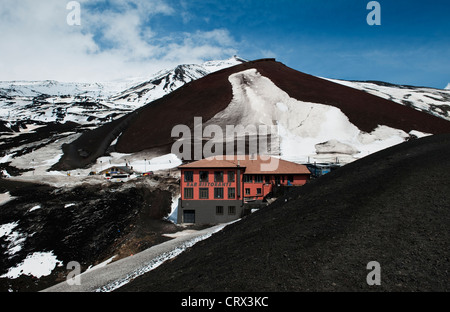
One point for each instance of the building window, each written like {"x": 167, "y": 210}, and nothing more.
{"x": 258, "y": 191}
{"x": 277, "y": 179}
{"x": 204, "y": 193}
{"x": 231, "y": 210}
{"x": 218, "y": 176}
{"x": 204, "y": 176}
{"x": 189, "y": 216}
{"x": 218, "y": 192}
{"x": 219, "y": 210}
{"x": 188, "y": 193}
{"x": 267, "y": 178}
{"x": 231, "y": 176}
{"x": 189, "y": 176}
{"x": 231, "y": 193}
{"x": 247, "y": 191}
{"x": 258, "y": 178}
{"x": 290, "y": 178}
{"x": 247, "y": 178}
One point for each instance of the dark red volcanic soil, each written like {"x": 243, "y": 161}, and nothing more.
{"x": 364, "y": 110}
{"x": 391, "y": 207}
{"x": 207, "y": 96}
{"x": 151, "y": 126}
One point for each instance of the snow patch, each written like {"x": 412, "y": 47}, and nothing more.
{"x": 173, "y": 215}
{"x": 15, "y": 239}
{"x": 100, "y": 265}
{"x": 282, "y": 107}
{"x": 6, "y": 158}
{"x": 138, "y": 162}
{"x": 35, "y": 208}
{"x": 421, "y": 98}
{"x": 334, "y": 146}
{"x": 419, "y": 134}
{"x": 37, "y": 264}
{"x": 5, "y": 197}
{"x": 7, "y": 228}
{"x": 301, "y": 126}
{"x": 41, "y": 159}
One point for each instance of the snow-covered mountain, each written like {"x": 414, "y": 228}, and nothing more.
{"x": 429, "y": 100}
{"x": 167, "y": 81}
{"x": 56, "y": 88}
{"x": 316, "y": 119}
{"x": 93, "y": 103}
{"x": 38, "y": 117}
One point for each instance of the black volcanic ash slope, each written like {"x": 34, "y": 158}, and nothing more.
{"x": 391, "y": 207}
{"x": 86, "y": 223}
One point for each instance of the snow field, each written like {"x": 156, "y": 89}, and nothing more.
{"x": 420, "y": 98}
{"x": 36, "y": 264}
{"x": 301, "y": 126}
{"x": 138, "y": 161}
{"x": 4, "y": 198}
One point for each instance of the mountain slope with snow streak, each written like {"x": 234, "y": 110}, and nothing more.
{"x": 303, "y": 127}
{"x": 36, "y": 114}
{"x": 167, "y": 81}
{"x": 316, "y": 118}
{"x": 94, "y": 103}
{"x": 429, "y": 100}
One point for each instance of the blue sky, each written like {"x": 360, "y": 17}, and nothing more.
{"x": 328, "y": 38}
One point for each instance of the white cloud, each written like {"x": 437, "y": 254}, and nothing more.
{"x": 268, "y": 54}
{"x": 200, "y": 45}
{"x": 111, "y": 43}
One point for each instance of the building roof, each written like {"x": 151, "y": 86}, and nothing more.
{"x": 119, "y": 168}
{"x": 252, "y": 164}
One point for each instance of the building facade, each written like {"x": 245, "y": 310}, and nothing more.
{"x": 217, "y": 189}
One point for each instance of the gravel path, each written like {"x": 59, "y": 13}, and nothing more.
{"x": 119, "y": 273}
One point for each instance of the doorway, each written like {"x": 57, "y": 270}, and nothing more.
{"x": 189, "y": 216}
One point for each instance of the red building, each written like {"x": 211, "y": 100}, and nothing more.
{"x": 216, "y": 189}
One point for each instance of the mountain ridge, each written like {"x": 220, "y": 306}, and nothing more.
{"x": 102, "y": 120}
{"x": 213, "y": 93}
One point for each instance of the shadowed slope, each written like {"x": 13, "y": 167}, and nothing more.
{"x": 391, "y": 207}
